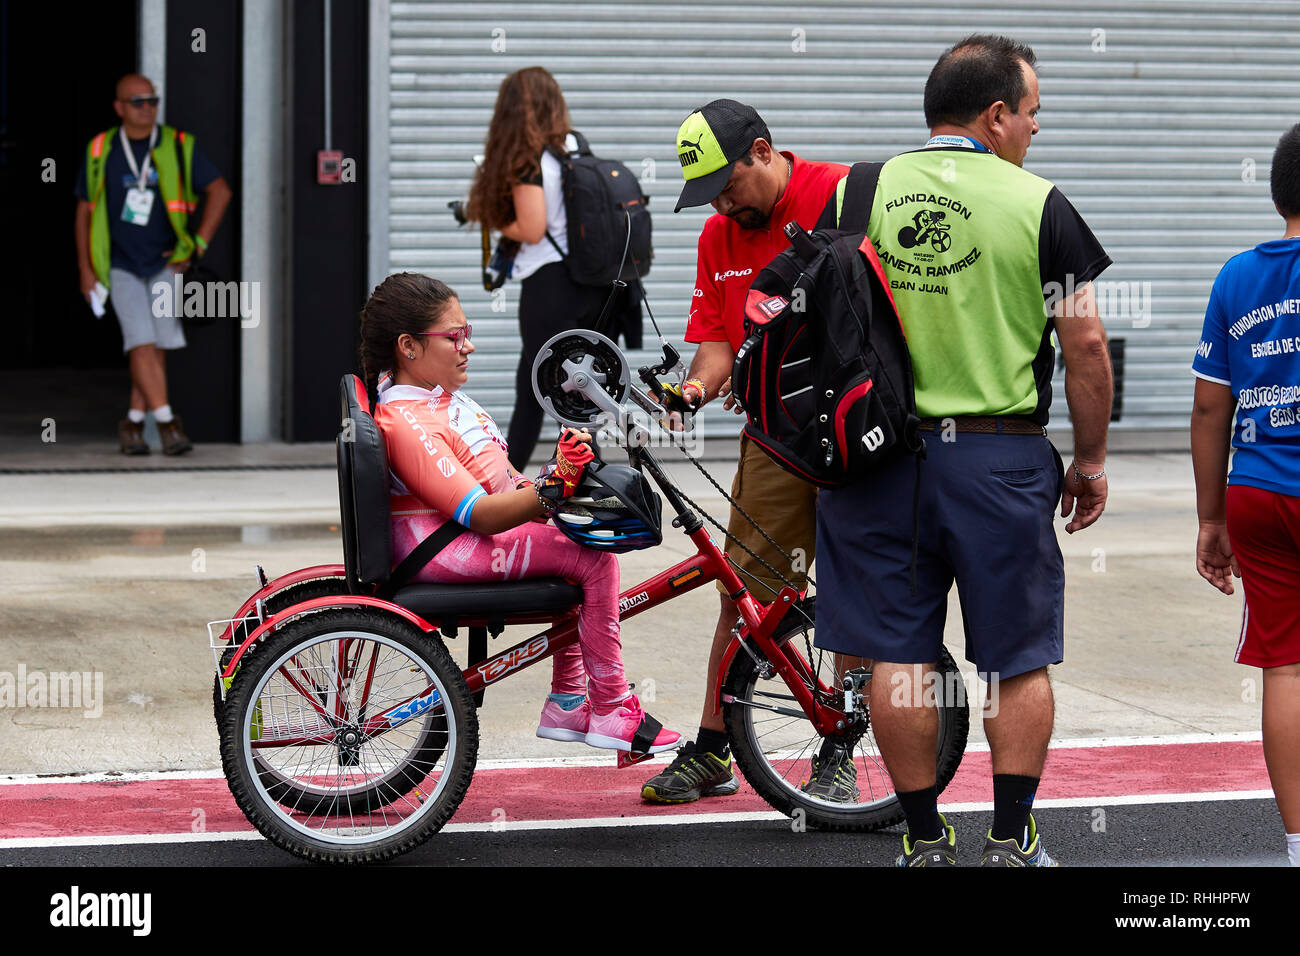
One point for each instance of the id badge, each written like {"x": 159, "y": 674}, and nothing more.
{"x": 136, "y": 209}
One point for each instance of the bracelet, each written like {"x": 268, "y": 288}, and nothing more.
{"x": 704, "y": 392}
{"x": 1080, "y": 475}
{"x": 548, "y": 509}
{"x": 203, "y": 246}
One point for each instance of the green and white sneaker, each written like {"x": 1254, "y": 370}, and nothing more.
{"x": 940, "y": 852}
{"x": 1011, "y": 853}
{"x": 834, "y": 776}
{"x": 690, "y": 776}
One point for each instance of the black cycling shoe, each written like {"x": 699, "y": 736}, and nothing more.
{"x": 834, "y": 776}
{"x": 690, "y": 776}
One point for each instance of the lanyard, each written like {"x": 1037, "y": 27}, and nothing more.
{"x": 965, "y": 142}
{"x": 141, "y": 174}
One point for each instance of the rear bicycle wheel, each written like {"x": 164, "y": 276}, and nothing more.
{"x": 284, "y": 598}
{"x": 775, "y": 743}
{"x": 338, "y": 770}
{"x": 304, "y": 797}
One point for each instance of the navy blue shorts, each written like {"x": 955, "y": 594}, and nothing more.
{"x": 987, "y": 504}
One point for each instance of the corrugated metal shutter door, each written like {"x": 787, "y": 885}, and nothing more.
{"x": 1159, "y": 120}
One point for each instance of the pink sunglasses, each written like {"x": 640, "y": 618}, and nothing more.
{"x": 457, "y": 337}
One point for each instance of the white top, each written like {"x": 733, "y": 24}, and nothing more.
{"x": 466, "y": 417}
{"x": 533, "y": 255}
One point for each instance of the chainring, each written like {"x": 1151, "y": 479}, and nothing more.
{"x": 573, "y": 365}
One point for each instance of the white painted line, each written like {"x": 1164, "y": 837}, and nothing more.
{"x": 757, "y": 816}
{"x": 514, "y": 763}
{"x": 113, "y": 839}
{"x": 530, "y": 763}
{"x": 1161, "y": 740}
{"x": 598, "y": 822}
{"x": 110, "y": 777}
{"x": 14, "y": 843}
{"x": 1120, "y": 801}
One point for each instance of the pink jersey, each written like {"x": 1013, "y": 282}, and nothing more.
{"x": 444, "y": 451}
{"x": 444, "y": 454}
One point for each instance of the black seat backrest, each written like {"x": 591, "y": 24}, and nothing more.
{"x": 363, "y": 491}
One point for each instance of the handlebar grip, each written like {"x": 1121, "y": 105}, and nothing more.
{"x": 674, "y": 400}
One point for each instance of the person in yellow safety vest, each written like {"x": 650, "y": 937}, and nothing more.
{"x": 136, "y": 190}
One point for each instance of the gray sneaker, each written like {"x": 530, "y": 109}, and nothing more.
{"x": 834, "y": 776}
{"x": 1011, "y": 853}
{"x": 940, "y": 852}
{"x": 692, "y": 774}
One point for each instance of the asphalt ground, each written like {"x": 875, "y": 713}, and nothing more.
{"x": 1203, "y": 834}
{"x": 767, "y": 884}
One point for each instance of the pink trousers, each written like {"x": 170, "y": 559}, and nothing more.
{"x": 594, "y": 666}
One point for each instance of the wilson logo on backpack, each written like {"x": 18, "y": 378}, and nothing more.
{"x": 827, "y": 387}
{"x": 769, "y": 307}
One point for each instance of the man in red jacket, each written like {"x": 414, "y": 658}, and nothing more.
{"x": 728, "y": 161}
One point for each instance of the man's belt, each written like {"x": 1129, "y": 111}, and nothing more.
{"x": 988, "y": 425}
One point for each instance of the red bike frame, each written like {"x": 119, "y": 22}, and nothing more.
{"x": 759, "y": 622}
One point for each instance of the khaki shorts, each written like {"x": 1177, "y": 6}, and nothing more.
{"x": 786, "y": 508}
{"x": 133, "y": 304}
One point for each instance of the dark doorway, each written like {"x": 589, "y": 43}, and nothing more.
{"x": 56, "y": 92}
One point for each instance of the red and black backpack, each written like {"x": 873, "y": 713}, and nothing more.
{"x": 824, "y": 374}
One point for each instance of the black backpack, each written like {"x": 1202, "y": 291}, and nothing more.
{"x": 603, "y": 202}
{"x": 824, "y": 374}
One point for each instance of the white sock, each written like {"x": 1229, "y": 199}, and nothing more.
{"x": 135, "y": 415}
{"x": 1293, "y": 848}
{"x": 162, "y": 414}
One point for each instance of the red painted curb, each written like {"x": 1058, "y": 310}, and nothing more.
{"x": 576, "y": 793}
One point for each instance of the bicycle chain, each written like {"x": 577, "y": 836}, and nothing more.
{"x": 709, "y": 518}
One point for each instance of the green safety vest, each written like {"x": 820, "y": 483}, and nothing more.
{"x": 180, "y": 204}
{"x": 957, "y": 233}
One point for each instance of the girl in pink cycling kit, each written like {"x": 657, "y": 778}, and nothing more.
{"x": 448, "y": 462}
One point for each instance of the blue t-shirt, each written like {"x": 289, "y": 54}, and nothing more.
{"x": 1251, "y": 343}
{"x": 139, "y": 249}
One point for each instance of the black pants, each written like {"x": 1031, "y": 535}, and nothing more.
{"x": 549, "y": 302}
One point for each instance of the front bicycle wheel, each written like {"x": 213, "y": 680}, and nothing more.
{"x": 776, "y": 744}
{"x": 349, "y": 736}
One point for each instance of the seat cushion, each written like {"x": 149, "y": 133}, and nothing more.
{"x": 490, "y": 600}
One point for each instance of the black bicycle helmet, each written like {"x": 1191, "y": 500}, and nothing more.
{"x": 614, "y": 509}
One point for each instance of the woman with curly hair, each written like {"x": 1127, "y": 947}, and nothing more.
{"x": 517, "y": 193}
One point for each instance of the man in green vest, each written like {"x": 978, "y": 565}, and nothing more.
{"x": 136, "y": 191}
{"x": 984, "y": 261}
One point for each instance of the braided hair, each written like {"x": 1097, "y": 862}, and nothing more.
{"x": 405, "y": 302}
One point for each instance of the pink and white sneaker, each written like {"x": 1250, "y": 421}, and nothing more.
{"x": 628, "y": 727}
{"x": 560, "y": 724}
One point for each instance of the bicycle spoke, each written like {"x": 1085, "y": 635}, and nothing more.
{"x": 781, "y": 750}
{"x": 335, "y": 790}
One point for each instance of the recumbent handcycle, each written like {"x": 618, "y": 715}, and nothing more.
{"x": 348, "y": 733}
